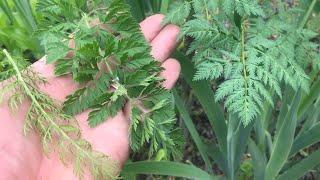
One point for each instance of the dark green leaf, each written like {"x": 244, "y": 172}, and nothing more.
{"x": 101, "y": 114}
{"x": 192, "y": 130}
{"x": 284, "y": 140}
{"x": 258, "y": 159}
{"x": 167, "y": 168}
{"x": 302, "y": 167}
{"x": 306, "y": 139}
{"x": 205, "y": 96}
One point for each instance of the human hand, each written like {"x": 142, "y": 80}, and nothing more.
{"x": 21, "y": 157}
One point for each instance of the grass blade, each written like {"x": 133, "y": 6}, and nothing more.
{"x": 283, "y": 141}
{"x": 233, "y": 125}
{"x": 167, "y": 168}
{"x": 311, "y": 119}
{"x": 241, "y": 143}
{"x": 4, "y": 6}
{"x": 205, "y": 96}
{"x": 237, "y": 140}
{"x": 289, "y": 93}
{"x": 219, "y": 158}
{"x": 155, "y": 5}
{"x": 308, "y": 100}
{"x": 306, "y": 139}
{"x": 258, "y": 159}
{"x": 192, "y": 130}
{"x": 164, "y": 6}
{"x": 299, "y": 169}
{"x": 24, "y": 9}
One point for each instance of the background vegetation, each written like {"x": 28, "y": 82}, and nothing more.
{"x": 282, "y": 144}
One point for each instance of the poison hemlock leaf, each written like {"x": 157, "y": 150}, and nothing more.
{"x": 111, "y": 60}
{"x": 6, "y": 69}
{"x": 243, "y": 7}
{"x": 179, "y": 13}
{"x": 104, "y": 111}
{"x": 252, "y": 57}
{"x": 58, "y": 132}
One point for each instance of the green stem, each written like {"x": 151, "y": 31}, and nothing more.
{"x": 307, "y": 15}
{"x": 207, "y": 11}
{"x": 164, "y": 6}
{"x": 37, "y": 104}
{"x": 109, "y": 68}
{"x": 243, "y": 59}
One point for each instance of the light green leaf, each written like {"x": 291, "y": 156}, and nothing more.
{"x": 101, "y": 114}
{"x": 167, "y": 168}
{"x": 284, "y": 140}
{"x": 258, "y": 159}
{"x": 192, "y": 130}
{"x": 306, "y": 139}
{"x": 205, "y": 96}
{"x": 302, "y": 167}
{"x": 178, "y": 14}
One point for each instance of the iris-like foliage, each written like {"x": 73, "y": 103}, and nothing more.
{"x": 254, "y": 47}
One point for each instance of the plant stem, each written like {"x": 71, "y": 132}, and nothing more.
{"x": 164, "y": 6}
{"x": 31, "y": 96}
{"x": 307, "y": 15}
{"x": 43, "y": 112}
{"x": 207, "y": 11}
{"x": 243, "y": 57}
{"x": 243, "y": 60}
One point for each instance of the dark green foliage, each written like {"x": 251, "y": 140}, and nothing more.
{"x": 87, "y": 97}
{"x": 17, "y": 23}
{"x": 6, "y": 69}
{"x": 111, "y": 61}
{"x": 252, "y": 49}
{"x": 104, "y": 111}
{"x": 243, "y": 7}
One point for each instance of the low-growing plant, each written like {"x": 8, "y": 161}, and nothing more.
{"x": 260, "y": 59}
{"x": 18, "y": 23}
{"x": 117, "y": 45}
{"x": 252, "y": 65}
{"x": 111, "y": 60}
{"x": 253, "y": 46}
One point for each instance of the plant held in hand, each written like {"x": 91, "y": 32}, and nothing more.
{"x": 112, "y": 60}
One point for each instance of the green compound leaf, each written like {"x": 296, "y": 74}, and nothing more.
{"x": 111, "y": 61}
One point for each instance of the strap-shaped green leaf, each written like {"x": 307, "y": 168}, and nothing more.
{"x": 24, "y": 8}
{"x": 258, "y": 159}
{"x": 205, "y": 95}
{"x": 192, "y": 130}
{"x": 302, "y": 167}
{"x": 306, "y": 139}
{"x": 237, "y": 140}
{"x": 167, "y": 168}
{"x": 4, "y": 6}
{"x": 284, "y": 140}
{"x": 308, "y": 100}
{"x": 164, "y": 6}
{"x": 215, "y": 153}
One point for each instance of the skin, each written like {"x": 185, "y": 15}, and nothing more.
{"x": 21, "y": 157}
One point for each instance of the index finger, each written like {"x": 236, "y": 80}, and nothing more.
{"x": 151, "y": 26}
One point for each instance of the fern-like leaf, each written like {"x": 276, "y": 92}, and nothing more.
{"x": 252, "y": 55}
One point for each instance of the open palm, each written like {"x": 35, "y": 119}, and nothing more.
{"x": 21, "y": 156}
